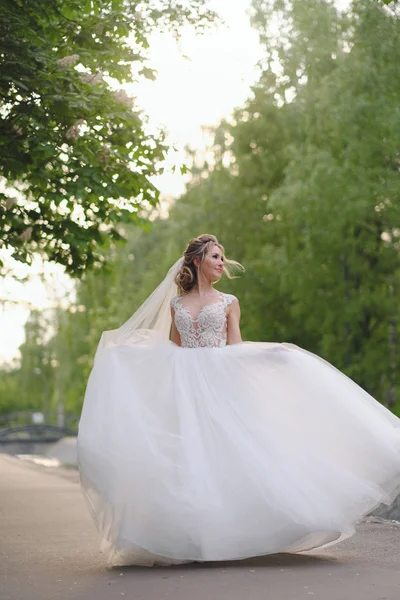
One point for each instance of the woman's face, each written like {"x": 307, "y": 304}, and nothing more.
{"x": 213, "y": 263}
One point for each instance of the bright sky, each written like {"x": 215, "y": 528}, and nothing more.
{"x": 187, "y": 95}
{"x": 190, "y": 94}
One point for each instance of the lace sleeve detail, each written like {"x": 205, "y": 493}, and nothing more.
{"x": 174, "y": 302}
{"x": 228, "y": 299}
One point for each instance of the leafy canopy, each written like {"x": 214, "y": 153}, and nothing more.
{"x": 76, "y": 161}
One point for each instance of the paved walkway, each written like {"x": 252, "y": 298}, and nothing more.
{"x": 49, "y": 551}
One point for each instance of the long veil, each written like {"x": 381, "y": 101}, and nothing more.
{"x": 151, "y": 321}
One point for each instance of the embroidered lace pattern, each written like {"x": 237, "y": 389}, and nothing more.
{"x": 209, "y": 329}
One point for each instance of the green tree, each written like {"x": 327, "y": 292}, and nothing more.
{"x": 303, "y": 189}
{"x": 338, "y": 204}
{"x": 76, "y": 160}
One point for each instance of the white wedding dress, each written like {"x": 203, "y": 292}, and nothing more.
{"x": 211, "y": 452}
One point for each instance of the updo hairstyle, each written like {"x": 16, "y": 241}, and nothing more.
{"x": 198, "y": 248}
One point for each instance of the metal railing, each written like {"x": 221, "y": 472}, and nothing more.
{"x": 34, "y": 433}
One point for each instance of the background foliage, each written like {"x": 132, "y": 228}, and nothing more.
{"x": 76, "y": 161}
{"x": 303, "y": 190}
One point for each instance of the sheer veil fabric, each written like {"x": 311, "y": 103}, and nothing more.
{"x": 222, "y": 453}
{"x": 152, "y": 320}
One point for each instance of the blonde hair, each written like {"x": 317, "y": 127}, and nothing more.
{"x": 199, "y": 247}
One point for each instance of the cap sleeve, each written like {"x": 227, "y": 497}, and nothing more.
{"x": 174, "y": 302}
{"x": 229, "y": 298}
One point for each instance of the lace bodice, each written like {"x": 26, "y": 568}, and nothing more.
{"x": 209, "y": 329}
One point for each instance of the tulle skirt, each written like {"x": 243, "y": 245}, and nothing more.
{"x": 211, "y": 454}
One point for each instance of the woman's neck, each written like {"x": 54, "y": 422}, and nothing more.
{"x": 203, "y": 288}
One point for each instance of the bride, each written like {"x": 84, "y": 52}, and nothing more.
{"x": 196, "y": 446}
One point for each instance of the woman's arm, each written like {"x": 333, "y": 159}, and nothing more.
{"x": 175, "y": 337}
{"x": 234, "y": 336}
